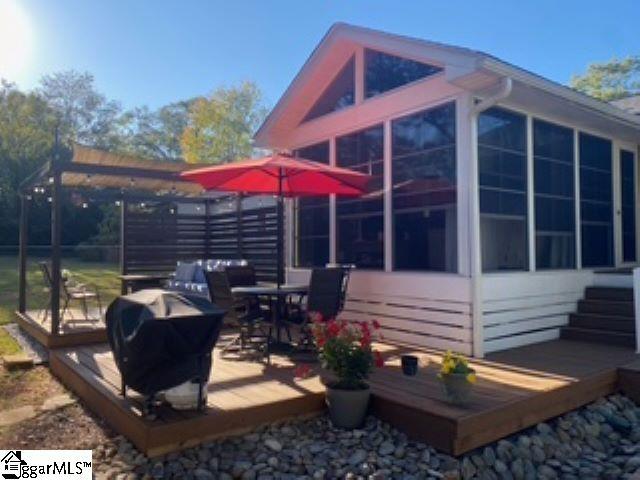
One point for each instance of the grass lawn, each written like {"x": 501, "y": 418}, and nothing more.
{"x": 101, "y": 275}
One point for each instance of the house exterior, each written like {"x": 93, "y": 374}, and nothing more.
{"x": 497, "y": 193}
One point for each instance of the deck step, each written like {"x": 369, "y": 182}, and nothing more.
{"x": 607, "y": 307}
{"x": 609, "y": 293}
{"x": 602, "y": 322}
{"x": 598, "y": 336}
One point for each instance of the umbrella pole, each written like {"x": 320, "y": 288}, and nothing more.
{"x": 280, "y": 233}
{"x": 280, "y": 258}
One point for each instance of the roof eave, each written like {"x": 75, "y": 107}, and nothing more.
{"x": 536, "y": 81}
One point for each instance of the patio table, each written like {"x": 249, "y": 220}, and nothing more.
{"x": 273, "y": 292}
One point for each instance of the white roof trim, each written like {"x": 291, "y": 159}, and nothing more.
{"x": 458, "y": 60}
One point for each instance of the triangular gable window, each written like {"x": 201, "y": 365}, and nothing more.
{"x": 384, "y": 72}
{"x": 340, "y": 94}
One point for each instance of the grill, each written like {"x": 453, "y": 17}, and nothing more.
{"x": 162, "y": 339}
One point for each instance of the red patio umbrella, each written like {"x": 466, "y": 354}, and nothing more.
{"x": 281, "y": 175}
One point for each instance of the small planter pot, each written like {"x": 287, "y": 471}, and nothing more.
{"x": 457, "y": 388}
{"x": 409, "y": 365}
{"x": 347, "y": 408}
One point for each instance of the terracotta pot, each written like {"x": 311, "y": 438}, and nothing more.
{"x": 457, "y": 388}
{"x": 347, "y": 408}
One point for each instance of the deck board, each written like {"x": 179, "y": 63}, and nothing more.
{"x": 516, "y": 389}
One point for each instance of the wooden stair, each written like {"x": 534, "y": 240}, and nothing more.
{"x": 605, "y": 315}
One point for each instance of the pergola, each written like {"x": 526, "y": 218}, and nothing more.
{"x": 128, "y": 180}
{"x": 110, "y": 176}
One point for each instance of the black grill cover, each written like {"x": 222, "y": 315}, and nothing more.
{"x": 161, "y": 339}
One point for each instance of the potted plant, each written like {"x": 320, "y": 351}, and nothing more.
{"x": 346, "y": 354}
{"x": 457, "y": 377}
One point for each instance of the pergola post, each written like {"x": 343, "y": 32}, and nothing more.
{"x": 124, "y": 209}
{"x": 22, "y": 262}
{"x": 56, "y": 221}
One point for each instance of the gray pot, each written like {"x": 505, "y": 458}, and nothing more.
{"x": 347, "y": 408}
{"x": 457, "y": 388}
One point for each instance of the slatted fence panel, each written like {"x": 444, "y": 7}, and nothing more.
{"x": 157, "y": 237}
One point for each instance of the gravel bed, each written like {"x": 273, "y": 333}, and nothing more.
{"x": 600, "y": 441}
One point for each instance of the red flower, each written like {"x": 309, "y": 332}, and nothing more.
{"x": 379, "y": 361}
{"x": 333, "y": 328}
{"x": 376, "y": 324}
{"x": 302, "y": 371}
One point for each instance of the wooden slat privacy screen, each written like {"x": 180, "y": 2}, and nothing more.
{"x": 158, "y": 235}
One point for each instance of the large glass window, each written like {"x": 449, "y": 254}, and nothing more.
{"x": 424, "y": 190}
{"x": 338, "y": 95}
{"x": 360, "y": 222}
{"x": 502, "y": 171}
{"x": 384, "y": 72}
{"x": 553, "y": 152}
{"x": 312, "y": 218}
{"x": 596, "y": 199}
{"x": 628, "y": 194}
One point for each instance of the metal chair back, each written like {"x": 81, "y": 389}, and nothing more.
{"x": 325, "y": 292}
{"x": 220, "y": 291}
{"x": 241, "y": 276}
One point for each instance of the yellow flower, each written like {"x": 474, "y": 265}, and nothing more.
{"x": 471, "y": 378}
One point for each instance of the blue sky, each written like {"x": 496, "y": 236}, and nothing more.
{"x": 155, "y": 52}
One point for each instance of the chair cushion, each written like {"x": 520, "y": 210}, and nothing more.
{"x": 185, "y": 271}
{"x": 198, "y": 275}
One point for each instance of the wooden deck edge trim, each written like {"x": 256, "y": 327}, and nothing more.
{"x": 50, "y": 341}
{"x": 187, "y": 433}
{"x": 490, "y": 426}
{"x": 35, "y": 330}
{"x": 96, "y": 398}
{"x": 629, "y": 383}
{"x": 436, "y": 430}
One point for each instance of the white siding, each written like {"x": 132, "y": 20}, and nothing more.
{"x": 421, "y": 309}
{"x": 523, "y": 308}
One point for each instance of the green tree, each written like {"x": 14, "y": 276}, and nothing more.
{"x": 221, "y": 126}
{"x": 26, "y": 141}
{"x": 84, "y": 114}
{"x": 155, "y": 134}
{"x": 607, "y": 81}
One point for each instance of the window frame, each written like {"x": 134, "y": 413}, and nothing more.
{"x": 575, "y": 166}
{"x": 440, "y": 72}
{"x": 528, "y": 189}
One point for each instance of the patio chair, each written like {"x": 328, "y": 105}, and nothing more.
{"x": 243, "y": 312}
{"x": 241, "y": 275}
{"x": 70, "y": 293}
{"x": 325, "y": 297}
{"x": 346, "y": 268}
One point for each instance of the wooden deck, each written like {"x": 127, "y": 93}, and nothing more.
{"x": 74, "y": 328}
{"x": 516, "y": 389}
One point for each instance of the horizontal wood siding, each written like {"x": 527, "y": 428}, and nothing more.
{"x": 523, "y": 308}
{"x": 425, "y": 310}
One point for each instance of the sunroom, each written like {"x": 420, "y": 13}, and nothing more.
{"x": 497, "y": 193}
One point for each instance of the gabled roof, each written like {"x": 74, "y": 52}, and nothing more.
{"x": 469, "y": 69}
